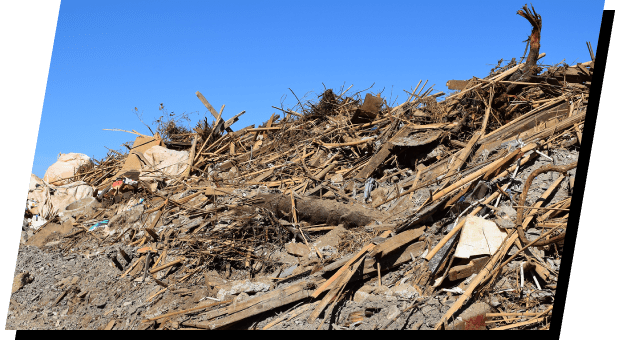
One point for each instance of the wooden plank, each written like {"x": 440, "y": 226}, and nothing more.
{"x": 232, "y": 120}
{"x": 368, "y": 247}
{"x": 334, "y": 292}
{"x": 184, "y": 311}
{"x": 208, "y": 106}
{"x": 334, "y": 277}
{"x": 487, "y": 112}
{"x": 396, "y": 242}
{"x": 527, "y": 121}
{"x": 520, "y": 324}
{"x": 464, "y": 271}
{"x": 141, "y": 259}
{"x": 378, "y": 159}
{"x": 290, "y": 315}
{"x": 457, "y": 84}
{"x": 255, "y": 301}
{"x": 261, "y": 177}
{"x": 263, "y": 129}
{"x": 165, "y": 266}
{"x": 346, "y": 144}
{"x": 484, "y": 172}
{"x": 265, "y": 305}
{"x": 461, "y": 157}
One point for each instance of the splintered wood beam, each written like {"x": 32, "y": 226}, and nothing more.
{"x": 232, "y": 120}
{"x": 217, "y": 116}
{"x": 378, "y": 159}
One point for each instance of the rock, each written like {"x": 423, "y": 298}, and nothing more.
{"x": 405, "y": 290}
{"x": 242, "y": 297}
{"x": 337, "y": 179}
{"x": 287, "y": 272}
{"x": 360, "y": 296}
{"x": 327, "y": 251}
{"x": 379, "y": 195}
{"x": 245, "y": 286}
{"x": 100, "y": 301}
{"x": 329, "y": 241}
{"x": 297, "y": 249}
{"x": 393, "y": 312}
{"x": 21, "y": 280}
{"x": 504, "y": 223}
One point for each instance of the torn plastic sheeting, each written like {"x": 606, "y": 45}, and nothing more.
{"x": 58, "y": 198}
{"x": 479, "y": 237}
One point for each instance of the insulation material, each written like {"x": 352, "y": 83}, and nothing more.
{"x": 479, "y": 237}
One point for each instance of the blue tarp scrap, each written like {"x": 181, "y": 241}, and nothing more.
{"x": 99, "y": 224}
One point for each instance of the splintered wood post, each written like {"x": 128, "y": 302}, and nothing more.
{"x": 213, "y": 112}
{"x": 524, "y": 74}
{"x": 264, "y": 134}
{"x": 232, "y": 120}
{"x": 293, "y": 209}
{"x": 488, "y": 112}
{"x": 187, "y": 172}
{"x": 217, "y": 116}
{"x": 415, "y": 182}
{"x": 461, "y": 157}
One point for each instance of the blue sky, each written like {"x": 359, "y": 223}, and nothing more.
{"x": 110, "y": 56}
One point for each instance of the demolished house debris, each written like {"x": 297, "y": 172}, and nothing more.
{"x": 341, "y": 213}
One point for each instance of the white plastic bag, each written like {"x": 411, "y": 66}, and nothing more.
{"x": 66, "y": 166}
{"x": 166, "y": 163}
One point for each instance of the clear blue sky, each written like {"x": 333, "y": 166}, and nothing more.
{"x": 112, "y": 56}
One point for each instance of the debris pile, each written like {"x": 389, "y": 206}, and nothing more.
{"x": 338, "y": 213}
